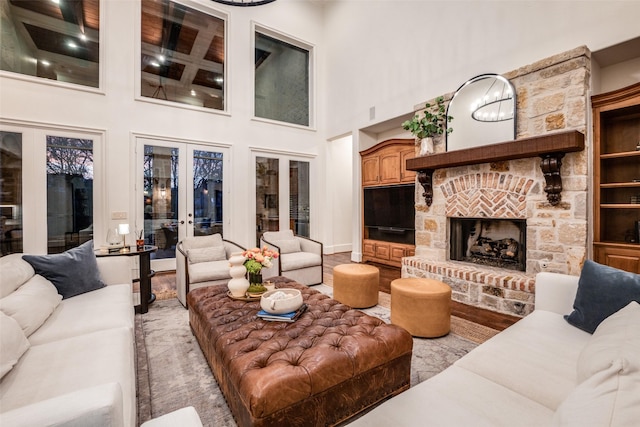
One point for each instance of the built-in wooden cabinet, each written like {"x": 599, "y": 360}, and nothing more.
{"x": 616, "y": 135}
{"x": 384, "y": 165}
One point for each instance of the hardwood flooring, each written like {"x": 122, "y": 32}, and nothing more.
{"x": 164, "y": 286}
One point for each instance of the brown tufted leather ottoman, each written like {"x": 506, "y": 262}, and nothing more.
{"x": 356, "y": 284}
{"x": 330, "y": 364}
{"x": 421, "y": 306}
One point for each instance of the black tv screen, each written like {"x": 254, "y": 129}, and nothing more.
{"x": 392, "y": 207}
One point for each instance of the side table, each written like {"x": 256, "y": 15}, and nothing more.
{"x": 144, "y": 254}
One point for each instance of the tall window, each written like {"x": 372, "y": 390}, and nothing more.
{"x": 282, "y": 80}
{"x": 182, "y": 55}
{"x": 57, "y": 40}
{"x": 10, "y": 192}
{"x": 69, "y": 192}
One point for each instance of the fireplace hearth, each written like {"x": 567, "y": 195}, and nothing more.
{"x": 490, "y": 242}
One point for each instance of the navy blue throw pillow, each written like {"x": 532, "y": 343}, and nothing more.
{"x": 73, "y": 272}
{"x": 602, "y": 291}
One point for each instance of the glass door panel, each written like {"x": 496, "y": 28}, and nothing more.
{"x": 267, "y": 196}
{"x": 161, "y": 195}
{"x": 10, "y": 193}
{"x": 207, "y": 192}
{"x": 299, "y": 197}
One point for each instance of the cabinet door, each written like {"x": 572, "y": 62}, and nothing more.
{"x": 397, "y": 253}
{"x": 621, "y": 258}
{"x": 405, "y": 175}
{"x": 368, "y": 248}
{"x": 382, "y": 250}
{"x": 370, "y": 170}
{"x": 390, "y": 168}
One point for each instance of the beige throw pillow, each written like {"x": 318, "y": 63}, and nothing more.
{"x": 288, "y": 246}
{"x": 13, "y": 343}
{"x": 214, "y": 253}
{"x": 32, "y": 303}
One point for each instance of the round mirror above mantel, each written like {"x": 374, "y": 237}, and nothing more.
{"x": 484, "y": 108}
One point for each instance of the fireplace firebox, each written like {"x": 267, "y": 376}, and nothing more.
{"x": 493, "y": 242}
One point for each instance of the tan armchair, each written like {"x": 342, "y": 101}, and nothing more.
{"x": 202, "y": 261}
{"x": 300, "y": 258}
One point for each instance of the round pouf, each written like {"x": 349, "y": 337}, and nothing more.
{"x": 421, "y": 306}
{"x": 356, "y": 285}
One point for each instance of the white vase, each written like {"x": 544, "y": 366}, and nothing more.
{"x": 238, "y": 284}
{"x": 426, "y": 146}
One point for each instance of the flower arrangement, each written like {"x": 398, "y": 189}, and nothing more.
{"x": 257, "y": 258}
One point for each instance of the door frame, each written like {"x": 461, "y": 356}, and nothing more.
{"x": 185, "y": 201}
{"x": 283, "y": 186}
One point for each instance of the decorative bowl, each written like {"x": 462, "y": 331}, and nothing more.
{"x": 280, "y": 301}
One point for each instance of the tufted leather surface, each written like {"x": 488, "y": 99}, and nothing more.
{"x": 330, "y": 364}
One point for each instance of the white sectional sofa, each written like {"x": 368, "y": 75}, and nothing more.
{"x": 66, "y": 361}
{"x": 542, "y": 371}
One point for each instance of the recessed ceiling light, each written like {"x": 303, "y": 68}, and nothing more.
{"x": 161, "y": 58}
{"x": 219, "y": 79}
{"x": 45, "y": 62}
{"x": 193, "y": 92}
{"x": 72, "y": 45}
{"x": 83, "y": 37}
{"x": 155, "y": 64}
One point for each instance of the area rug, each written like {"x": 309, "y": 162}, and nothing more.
{"x": 173, "y": 373}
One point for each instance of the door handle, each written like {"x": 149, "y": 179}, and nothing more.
{"x": 190, "y": 222}
{"x": 182, "y": 222}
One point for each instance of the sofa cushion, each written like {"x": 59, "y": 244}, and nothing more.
{"x": 610, "y": 397}
{"x": 32, "y": 303}
{"x": 207, "y": 271}
{"x": 602, "y": 290}
{"x": 541, "y": 342}
{"x": 298, "y": 260}
{"x": 15, "y": 272}
{"x": 454, "y": 398}
{"x": 65, "y": 366}
{"x": 616, "y": 338}
{"x": 212, "y": 253}
{"x": 73, "y": 272}
{"x": 106, "y": 308}
{"x": 13, "y": 343}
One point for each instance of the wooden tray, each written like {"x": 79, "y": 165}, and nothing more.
{"x": 244, "y": 298}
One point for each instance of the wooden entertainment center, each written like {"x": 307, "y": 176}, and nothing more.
{"x": 384, "y": 166}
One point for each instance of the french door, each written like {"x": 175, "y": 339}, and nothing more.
{"x": 282, "y": 194}
{"x": 180, "y": 193}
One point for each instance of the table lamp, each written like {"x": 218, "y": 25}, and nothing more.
{"x": 123, "y": 230}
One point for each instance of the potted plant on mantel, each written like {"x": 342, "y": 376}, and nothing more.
{"x": 432, "y": 123}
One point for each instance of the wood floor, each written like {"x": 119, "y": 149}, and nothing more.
{"x": 164, "y": 286}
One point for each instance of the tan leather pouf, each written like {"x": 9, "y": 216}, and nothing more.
{"x": 356, "y": 285}
{"x": 421, "y": 306}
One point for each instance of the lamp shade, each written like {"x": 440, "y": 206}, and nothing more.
{"x": 123, "y": 229}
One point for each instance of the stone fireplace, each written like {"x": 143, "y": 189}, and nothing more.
{"x": 490, "y": 227}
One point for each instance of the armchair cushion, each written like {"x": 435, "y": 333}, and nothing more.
{"x": 213, "y": 253}
{"x": 298, "y": 260}
{"x": 287, "y": 246}
{"x": 15, "y": 272}
{"x": 204, "y": 272}
{"x": 198, "y": 242}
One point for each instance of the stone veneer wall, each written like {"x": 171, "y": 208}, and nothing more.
{"x": 552, "y": 95}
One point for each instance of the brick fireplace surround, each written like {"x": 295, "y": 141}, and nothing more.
{"x": 552, "y": 96}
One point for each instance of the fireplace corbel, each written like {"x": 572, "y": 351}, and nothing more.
{"x": 551, "y": 148}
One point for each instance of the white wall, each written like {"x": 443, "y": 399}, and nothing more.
{"x": 121, "y": 116}
{"x": 393, "y": 55}
{"x": 340, "y": 181}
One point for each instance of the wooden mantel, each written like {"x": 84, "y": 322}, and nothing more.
{"x": 551, "y": 148}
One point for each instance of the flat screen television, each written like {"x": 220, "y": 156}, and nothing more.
{"x": 390, "y": 207}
